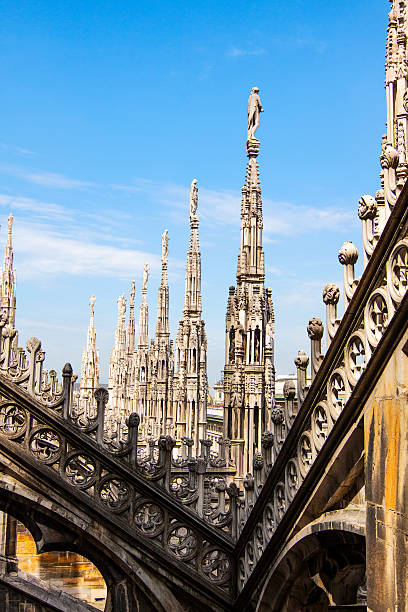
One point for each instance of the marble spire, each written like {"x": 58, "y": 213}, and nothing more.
{"x": 162, "y": 327}
{"x": 191, "y": 385}
{"x": 249, "y": 373}
{"x": 192, "y": 295}
{"x": 143, "y": 341}
{"x": 131, "y": 324}
{"x": 89, "y": 364}
{"x": 8, "y": 279}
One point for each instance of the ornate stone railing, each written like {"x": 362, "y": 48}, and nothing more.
{"x": 371, "y": 304}
{"x": 123, "y": 491}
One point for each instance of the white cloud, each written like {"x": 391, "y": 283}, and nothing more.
{"x": 19, "y": 150}
{"x": 241, "y": 52}
{"x": 43, "y": 251}
{"x": 47, "y": 179}
{"x": 51, "y": 179}
{"x": 294, "y": 220}
{"x": 42, "y": 209}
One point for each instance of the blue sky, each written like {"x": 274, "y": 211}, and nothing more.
{"x": 110, "y": 109}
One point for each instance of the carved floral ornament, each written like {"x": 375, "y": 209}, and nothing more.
{"x": 13, "y": 420}
{"x": 45, "y": 444}
{"x": 397, "y": 271}
{"x": 149, "y": 518}
{"x": 377, "y": 315}
{"x": 355, "y": 357}
{"x": 80, "y": 470}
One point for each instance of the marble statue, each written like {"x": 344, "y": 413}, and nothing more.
{"x": 193, "y": 198}
{"x": 145, "y": 277}
{"x": 254, "y": 108}
{"x": 121, "y": 305}
{"x": 92, "y": 304}
{"x": 165, "y": 245}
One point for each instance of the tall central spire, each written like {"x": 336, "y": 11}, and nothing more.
{"x": 249, "y": 370}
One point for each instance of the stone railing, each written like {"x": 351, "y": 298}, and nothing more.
{"x": 123, "y": 490}
{"x": 370, "y": 305}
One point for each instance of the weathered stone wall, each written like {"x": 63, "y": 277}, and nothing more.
{"x": 386, "y": 437}
{"x": 67, "y": 571}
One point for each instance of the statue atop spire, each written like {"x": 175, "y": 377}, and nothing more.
{"x": 254, "y": 108}
{"x": 193, "y": 198}
{"x": 145, "y": 277}
{"x": 121, "y": 309}
{"x": 10, "y": 224}
{"x": 165, "y": 246}
{"x": 91, "y": 305}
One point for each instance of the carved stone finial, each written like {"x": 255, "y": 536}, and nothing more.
{"x": 367, "y": 207}
{"x": 233, "y": 490}
{"x": 133, "y": 420}
{"x": 166, "y": 443}
{"x": 277, "y": 416}
{"x": 258, "y": 461}
{"x": 267, "y": 439}
{"x": 315, "y": 329}
{"x": 221, "y": 486}
{"x": 33, "y": 344}
{"x": 389, "y": 157}
{"x": 331, "y": 294}
{"x": 10, "y": 223}
{"x": 348, "y": 254}
{"x": 67, "y": 369}
{"x": 102, "y": 395}
{"x": 301, "y": 360}
{"x": 289, "y": 390}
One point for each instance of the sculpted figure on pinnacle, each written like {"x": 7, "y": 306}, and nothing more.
{"x": 254, "y": 108}
{"x": 145, "y": 277}
{"x": 193, "y": 198}
{"x": 92, "y": 304}
{"x": 165, "y": 245}
{"x": 121, "y": 305}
